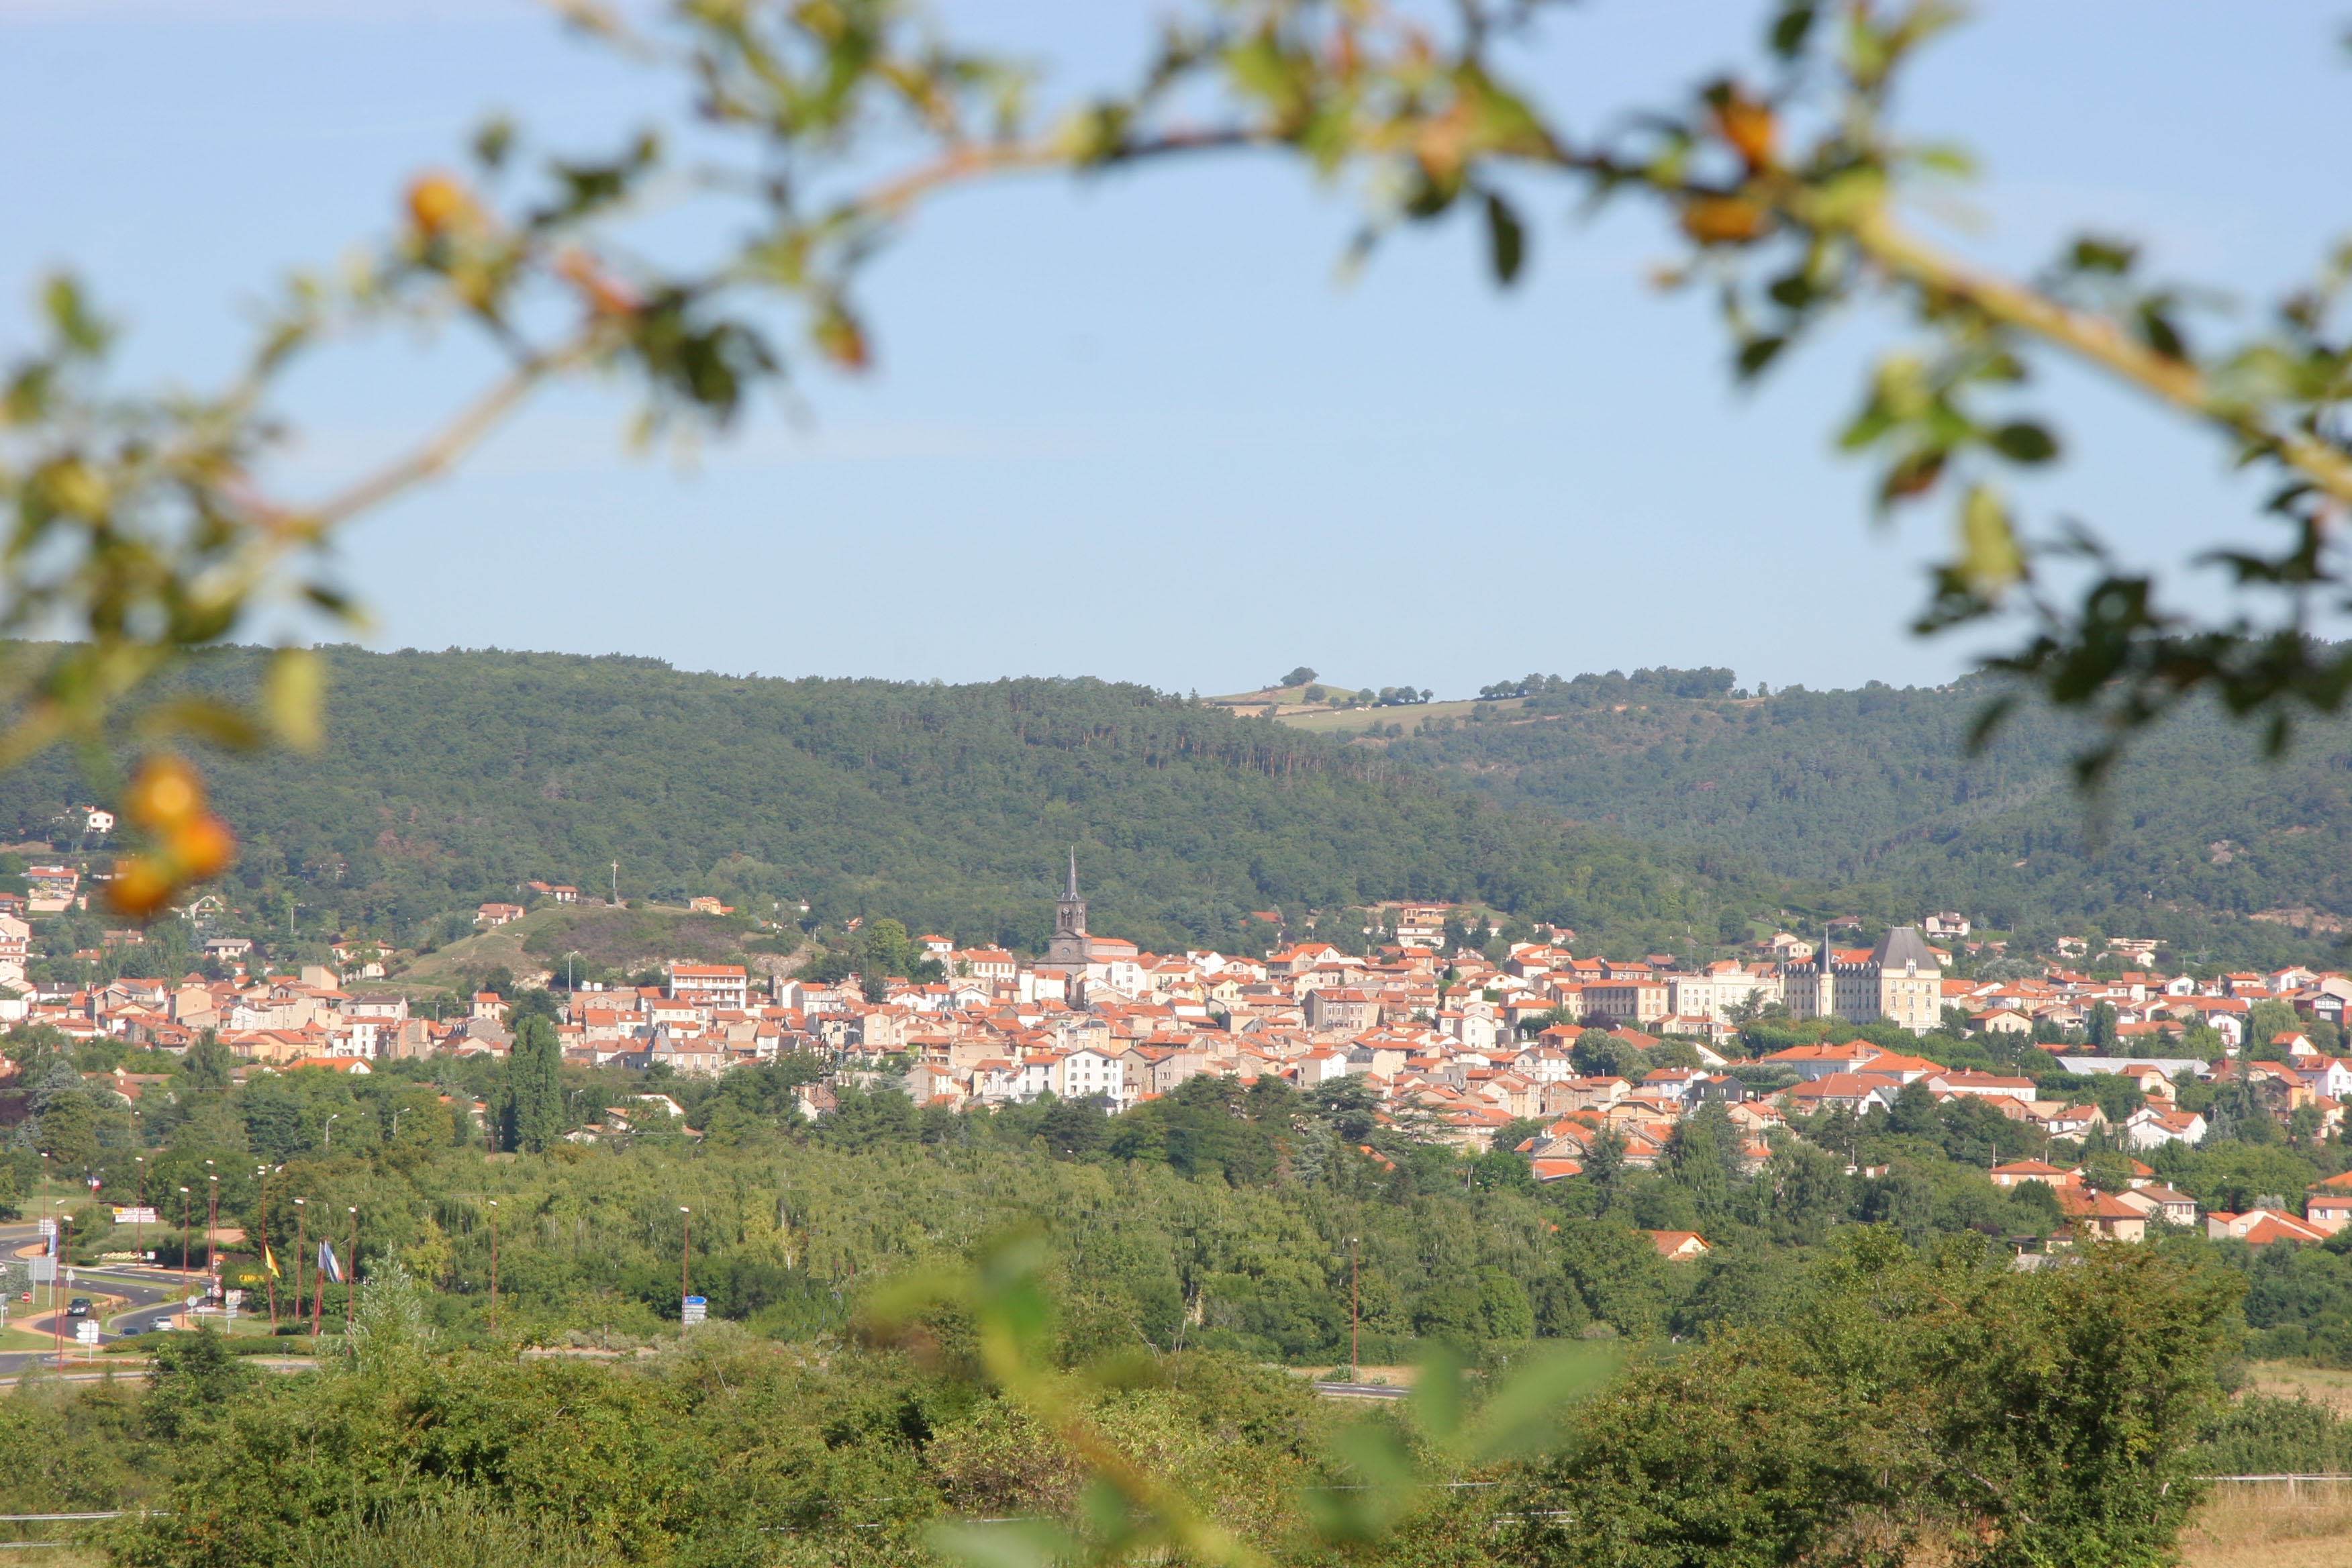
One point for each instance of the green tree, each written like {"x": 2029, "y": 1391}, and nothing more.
{"x": 2267, "y": 1020}
{"x": 2013, "y": 1418}
{"x": 531, "y": 1113}
{"x": 209, "y": 1063}
{"x": 1698, "y": 1161}
{"x": 1599, "y": 1054}
{"x": 1810, "y": 1191}
{"x": 863, "y": 1120}
{"x": 1504, "y": 1313}
{"x": 68, "y": 1134}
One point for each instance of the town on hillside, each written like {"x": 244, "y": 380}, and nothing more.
{"x": 1569, "y": 1062}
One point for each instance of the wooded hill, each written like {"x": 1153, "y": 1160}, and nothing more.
{"x": 1642, "y": 818}
{"x": 1866, "y": 801}
{"x": 452, "y": 777}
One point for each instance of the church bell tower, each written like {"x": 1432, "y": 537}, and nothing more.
{"x": 1069, "y": 948}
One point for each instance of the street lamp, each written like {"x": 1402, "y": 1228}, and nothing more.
{"x": 685, "y": 1255}
{"x": 494, "y": 1263}
{"x": 139, "y": 1221}
{"x": 331, "y": 1133}
{"x": 185, "y": 1231}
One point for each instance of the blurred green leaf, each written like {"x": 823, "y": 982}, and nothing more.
{"x": 1527, "y": 1410}
{"x": 2024, "y": 442}
{"x": 1016, "y": 1543}
{"x": 1377, "y": 1483}
{"x": 1437, "y": 1392}
{"x": 1507, "y": 241}
{"x": 1792, "y": 28}
{"x": 213, "y": 721}
{"x": 1991, "y": 558}
{"x": 1758, "y": 353}
{"x": 70, "y": 313}
{"x": 293, "y": 693}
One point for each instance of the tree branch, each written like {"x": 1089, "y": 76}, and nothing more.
{"x": 461, "y": 434}
{"x": 2092, "y": 338}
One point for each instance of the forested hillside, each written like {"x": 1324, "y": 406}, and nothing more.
{"x": 1663, "y": 811}
{"x": 448, "y": 778}
{"x": 1844, "y": 789}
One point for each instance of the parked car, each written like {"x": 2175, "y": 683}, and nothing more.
{"x": 77, "y": 1308}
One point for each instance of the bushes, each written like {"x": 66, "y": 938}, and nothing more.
{"x": 2263, "y": 1434}
{"x": 2035, "y": 1418}
{"x": 709, "y": 1453}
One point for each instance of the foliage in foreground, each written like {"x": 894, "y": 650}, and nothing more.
{"x": 1907, "y": 1406}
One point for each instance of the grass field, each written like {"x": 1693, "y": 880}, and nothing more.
{"x": 2321, "y": 1385}
{"x": 1357, "y": 720}
{"x": 640, "y": 936}
{"x": 2263, "y": 1526}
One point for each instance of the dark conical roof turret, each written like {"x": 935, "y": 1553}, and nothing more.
{"x": 1071, "y": 891}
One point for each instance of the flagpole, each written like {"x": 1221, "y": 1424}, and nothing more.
{"x": 351, "y": 1278}
{"x": 319, "y": 1301}
{"x": 300, "y": 1215}
{"x": 269, "y": 1263}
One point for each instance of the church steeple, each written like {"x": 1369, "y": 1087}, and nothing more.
{"x": 1069, "y": 947}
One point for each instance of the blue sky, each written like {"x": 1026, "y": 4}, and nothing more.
{"x": 1135, "y": 428}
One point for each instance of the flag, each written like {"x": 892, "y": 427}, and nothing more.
{"x": 269, "y": 1262}
{"x": 328, "y": 1266}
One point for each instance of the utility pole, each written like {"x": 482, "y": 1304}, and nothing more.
{"x": 186, "y": 1233}
{"x": 685, "y": 1255}
{"x": 617, "y": 883}
{"x": 212, "y": 1226}
{"x": 494, "y": 1264}
{"x": 139, "y": 1224}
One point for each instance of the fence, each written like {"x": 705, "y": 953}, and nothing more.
{"x": 53, "y": 1519}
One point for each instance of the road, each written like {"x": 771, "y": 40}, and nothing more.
{"x": 143, "y": 1291}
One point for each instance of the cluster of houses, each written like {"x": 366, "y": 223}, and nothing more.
{"x": 2124, "y": 1214}
{"x": 1453, "y": 1049}
{"x": 1636, "y": 1123}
